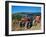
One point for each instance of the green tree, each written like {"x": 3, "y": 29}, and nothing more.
{"x": 18, "y": 17}
{"x": 13, "y": 16}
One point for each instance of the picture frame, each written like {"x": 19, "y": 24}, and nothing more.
{"x": 15, "y": 4}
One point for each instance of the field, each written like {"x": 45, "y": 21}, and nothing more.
{"x": 17, "y": 28}
{"x": 17, "y": 18}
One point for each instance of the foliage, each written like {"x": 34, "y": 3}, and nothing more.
{"x": 13, "y": 16}
{"x": 16, "y": 16}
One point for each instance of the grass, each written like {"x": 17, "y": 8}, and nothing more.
{"x": 35, "y": 27}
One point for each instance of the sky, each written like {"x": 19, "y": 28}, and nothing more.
{"x": 32, "y": 9}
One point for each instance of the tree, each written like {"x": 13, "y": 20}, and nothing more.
{"x": 18, "y": 17}
{"x": 13, "y": 16}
